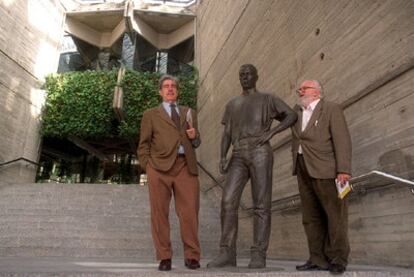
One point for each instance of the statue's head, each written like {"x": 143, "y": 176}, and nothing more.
{"x": 248, "y": 76}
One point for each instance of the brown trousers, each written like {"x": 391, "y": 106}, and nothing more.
{"x": 324, "y": 217}
{"x": 185, "y": 187}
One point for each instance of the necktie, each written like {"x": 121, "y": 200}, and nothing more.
{"x": 174, "y": 116}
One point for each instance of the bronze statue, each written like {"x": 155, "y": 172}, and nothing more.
{"x": 247, "y": 124}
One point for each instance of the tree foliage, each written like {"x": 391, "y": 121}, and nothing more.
{"x": 80, "y": 103}
{"x": 141, "y": 92}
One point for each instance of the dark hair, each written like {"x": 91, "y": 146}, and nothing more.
{"x": 168, "y": 77}
{"x": 248, "y": 65}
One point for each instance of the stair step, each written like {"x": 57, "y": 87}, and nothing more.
{"x": 128, "y": 267}
{"x": 88, "y": 220}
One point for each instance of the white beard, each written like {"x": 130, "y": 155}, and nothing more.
{"x": 305, "y": 100}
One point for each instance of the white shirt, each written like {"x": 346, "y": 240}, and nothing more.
{"x": 167, "y": 108}
{"x": 306, "y": 115}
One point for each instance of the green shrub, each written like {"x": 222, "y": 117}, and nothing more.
{"x": 80, "y": 103}
{"x": 141, "y": 92}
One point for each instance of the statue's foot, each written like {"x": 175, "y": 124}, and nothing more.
{"x": 258, "y": 260}
{"x": 224, "y": 259}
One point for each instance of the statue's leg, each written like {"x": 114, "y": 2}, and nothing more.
{"x": 236, "y": 179}
{"x": 261, "y": 180}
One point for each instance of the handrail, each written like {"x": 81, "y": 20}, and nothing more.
{"x": 359, "y": 185}
{"x": 382, "y": 179}
{"x": 211, "y": 177}
{"x": 182, "y": 3}
{"x": 18, "y": 159}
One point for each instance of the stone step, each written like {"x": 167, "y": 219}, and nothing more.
{"x": 39, "y": 193}
{"x": 74, "y": 252}
{"x": 56, "y": 233}
{"x": 58, "y": 229}
{"x": 88, "y": 220}
{"x": 12, "y": 232}
{"x": 90, "y": 241}
{"x": 129, "y": 267}
{"x": 75, "y": 222}
{"x": 73, "y": 207}
{"x": 50, "y": 209}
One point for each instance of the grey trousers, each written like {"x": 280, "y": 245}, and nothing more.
{"x": 254, "y": 164}
{"x": 324, "y": 217}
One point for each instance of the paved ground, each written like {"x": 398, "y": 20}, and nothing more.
{"x": 58, "y": 266}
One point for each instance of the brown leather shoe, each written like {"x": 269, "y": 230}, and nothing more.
{"x": 309, "y": 266}
{"x": 165, "y": 265}
{"x": 191, "y": 263}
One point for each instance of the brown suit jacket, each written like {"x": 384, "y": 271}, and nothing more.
{"x": 326, "y": 142}
{"x": 160, "y": 140}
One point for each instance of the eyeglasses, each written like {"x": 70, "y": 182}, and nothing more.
{"x": 299, "y": 90}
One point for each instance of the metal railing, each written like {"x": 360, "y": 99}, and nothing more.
{"x": 182, "y": 3}
{"x": 19, "y": 159}
{"x": 360, "y": 185}
{"x": 216, "y": 182}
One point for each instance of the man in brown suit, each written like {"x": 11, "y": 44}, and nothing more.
{"x": 321, "y": 148}
{"x": 166, "y": 152}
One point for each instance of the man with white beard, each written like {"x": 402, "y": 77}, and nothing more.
{"x": 321, "y": 149}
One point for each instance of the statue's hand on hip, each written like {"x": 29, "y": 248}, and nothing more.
{"x": 223, "y": 166}
{"x": 263, "y": 139}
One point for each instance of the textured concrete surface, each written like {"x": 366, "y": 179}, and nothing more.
{"x": 30, "y": 33}
{"x": 361, "y": 51}
{"x": 89, "y": 220}
{"x": 46, "y": 266}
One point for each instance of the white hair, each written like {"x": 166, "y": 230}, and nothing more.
{"x": 318, "y": 86}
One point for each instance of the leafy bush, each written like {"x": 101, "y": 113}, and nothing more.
{"x": 141, "y": 92}
{"x": 80, "y": 103}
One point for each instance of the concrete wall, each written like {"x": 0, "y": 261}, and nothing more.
{"x": 362, "y": 51}
{"x": 30, "y": 31}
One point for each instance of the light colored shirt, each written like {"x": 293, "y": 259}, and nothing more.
{"x": 167, "y": 108}
{"x": 306, "y": 116}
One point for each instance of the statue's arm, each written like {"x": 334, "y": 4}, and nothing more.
{"x": 284, "y": 114}
{"x": 225, "y": 145}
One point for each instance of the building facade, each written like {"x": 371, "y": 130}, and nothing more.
{"x": 361, "y": 51}
{"x": 29, "y": 50}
